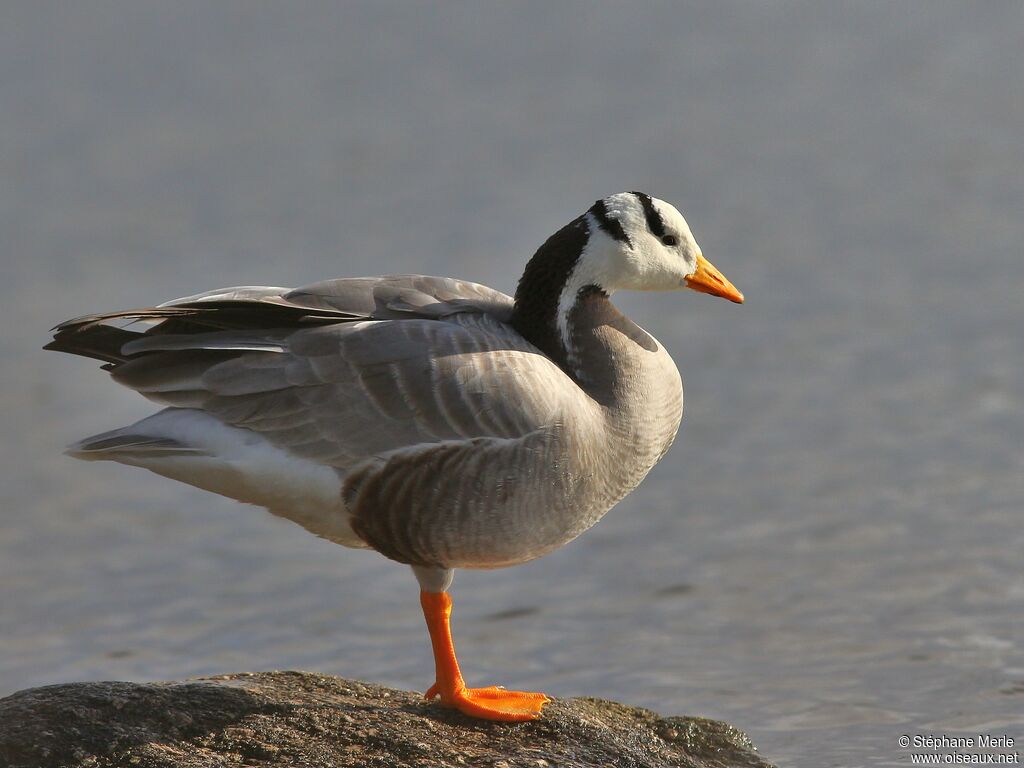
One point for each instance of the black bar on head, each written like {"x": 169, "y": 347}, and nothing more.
{"x": 611, "y": 227}
{"x": 654, "y": 221}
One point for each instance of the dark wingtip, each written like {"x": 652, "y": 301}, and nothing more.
{"x": 88, "y": 339}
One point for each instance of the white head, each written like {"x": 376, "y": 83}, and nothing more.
{"x": 637, "y": 242}
{"x": 627, "y": 241}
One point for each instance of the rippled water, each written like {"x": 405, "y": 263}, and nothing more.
{"x": 830, "y": 555}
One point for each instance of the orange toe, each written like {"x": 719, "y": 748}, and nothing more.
{"x": 493, "y": 702}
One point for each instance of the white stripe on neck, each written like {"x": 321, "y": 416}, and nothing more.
{"x": 590, "y": 269}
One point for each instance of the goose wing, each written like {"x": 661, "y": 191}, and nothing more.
{"x": 341, "y": 370}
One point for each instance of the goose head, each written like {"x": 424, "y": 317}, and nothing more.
{"x": 628, "y": 241}
{"x": 638, "y": 242}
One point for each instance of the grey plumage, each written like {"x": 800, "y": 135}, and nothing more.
{"x": 458, "y": 443}
{"x": 438, "y": 421}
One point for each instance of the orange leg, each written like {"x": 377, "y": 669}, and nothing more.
{"x": 494, "y": 703}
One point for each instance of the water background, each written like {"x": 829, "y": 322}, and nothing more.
{"x": 829, "y": 557}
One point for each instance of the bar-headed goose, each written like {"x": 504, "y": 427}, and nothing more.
{"x": 440, "y": 422}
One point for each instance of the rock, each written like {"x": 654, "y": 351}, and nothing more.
{"x": 298, "y": 718}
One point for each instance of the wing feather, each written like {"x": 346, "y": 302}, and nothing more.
{"x": 387, "y": 386}
{"x": 340, "y": 370}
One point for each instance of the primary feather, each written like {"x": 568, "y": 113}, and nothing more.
{"x": 342, "y": 374}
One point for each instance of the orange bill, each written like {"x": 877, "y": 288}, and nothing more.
{"x": 707, "y": 279}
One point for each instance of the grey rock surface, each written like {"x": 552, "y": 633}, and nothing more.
{"x": 299, "y": 718}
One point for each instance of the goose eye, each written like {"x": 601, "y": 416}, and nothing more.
{"x": 670, "y": 240}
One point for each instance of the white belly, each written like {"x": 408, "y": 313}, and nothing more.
{"x": 233, "y": 462}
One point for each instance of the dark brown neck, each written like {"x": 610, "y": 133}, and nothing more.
{"x": 535, "y": 315}
{"x": 602, "y": 342}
